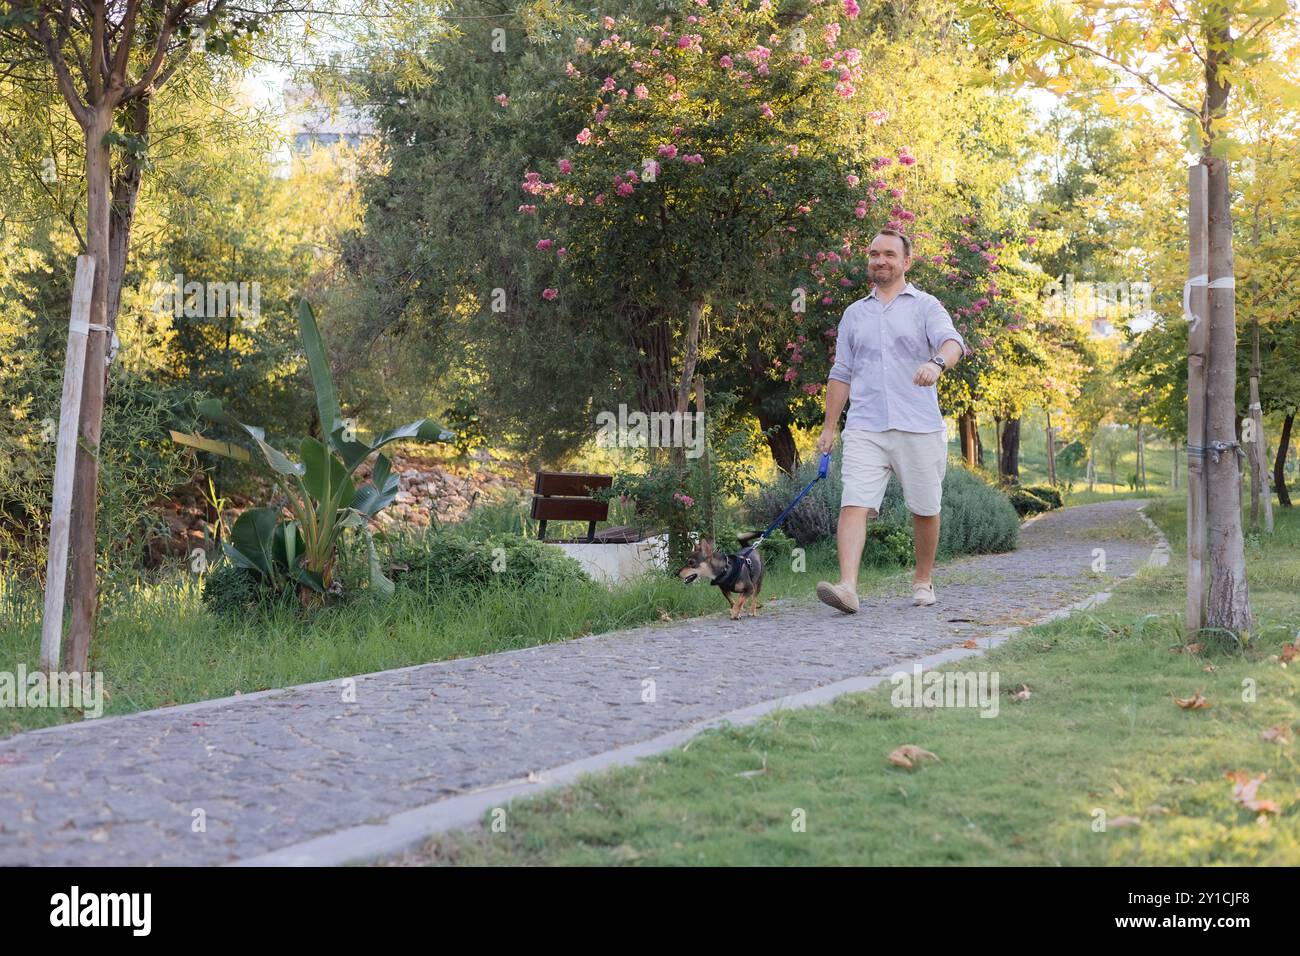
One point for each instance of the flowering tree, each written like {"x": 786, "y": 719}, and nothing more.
{"x": 699, "y": 169}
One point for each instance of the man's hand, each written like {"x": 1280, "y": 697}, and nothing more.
{"x": 926, "y": 375}
{"x": 826, "y": 441}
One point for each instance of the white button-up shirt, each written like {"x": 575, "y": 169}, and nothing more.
{"x": 877, "y": 350}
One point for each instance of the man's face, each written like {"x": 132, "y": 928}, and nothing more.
{"x": 885, "y": 260}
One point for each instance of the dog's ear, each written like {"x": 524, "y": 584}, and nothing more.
{"x": 706, "y": 545}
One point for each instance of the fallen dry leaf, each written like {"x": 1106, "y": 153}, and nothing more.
{"x": 1123, "y": 822}
{"x": 1244, "y": 788}
{"x": 1196, "y": 702}
{"x": 1210, "y": 668}
{"x": 971, "y": 644}
{"x": 1187, "y": 648}
{"x": 908, "y": 755}
{"x": 1290, "y": 652}
{"x": 1279, "y": 732}
{"x": 1158, "y": 810}
{"x": 1021, "y": 693}
{"x": 665, "y": 616}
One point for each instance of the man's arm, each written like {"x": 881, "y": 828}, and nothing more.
{"x": 837, "y": 395}
{"x": 951, "y": 352}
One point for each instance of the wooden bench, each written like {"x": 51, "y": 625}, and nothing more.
{"x": 566, "y": 496}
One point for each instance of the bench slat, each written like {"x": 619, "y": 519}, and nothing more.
{"x": 570, "y": 509}
{"x": 573, "y": 484}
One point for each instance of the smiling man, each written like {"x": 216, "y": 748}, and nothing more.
{"x": 890, "y": 350}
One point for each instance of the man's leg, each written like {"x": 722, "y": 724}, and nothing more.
{"x": 850, "y": 539}
{"x": 925, "y": 536}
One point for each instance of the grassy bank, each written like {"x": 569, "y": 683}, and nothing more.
{"x": 1098, "y": 734}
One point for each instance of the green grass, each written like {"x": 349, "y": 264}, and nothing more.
{"x": 1099, "y": 732}
{"x": 157, "y": 645}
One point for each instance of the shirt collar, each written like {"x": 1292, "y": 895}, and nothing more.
{"x": 908, "y": 289}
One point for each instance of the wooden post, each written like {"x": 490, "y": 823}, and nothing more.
{"x": 704, "y": 465}
{"x": 65, "y": 456}
{"x": 1198, "y": 334}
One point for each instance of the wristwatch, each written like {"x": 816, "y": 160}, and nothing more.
{"x": 938, "y": 360}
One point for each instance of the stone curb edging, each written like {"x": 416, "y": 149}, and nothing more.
{"x": 409, "y": 829}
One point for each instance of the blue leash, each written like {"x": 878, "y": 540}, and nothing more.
{"x": 822, "y": 471}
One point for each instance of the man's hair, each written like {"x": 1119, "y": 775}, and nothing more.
{"x": 907, "y": 243}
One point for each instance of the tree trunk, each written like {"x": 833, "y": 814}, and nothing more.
{"x": 1279, "y": 464}
{"x": 85, "y": 598}
{"x": 1175, "y": 481}
{"x": 678, "y": 531}
{"x": 1009, "y": 459}
{"x": 1092, "y": 463}
{"x": 1141, "y": 458}
{"x": 970, "y": 438}
{"x": 1229, "y": 599}
{"x": 780, "y": 440}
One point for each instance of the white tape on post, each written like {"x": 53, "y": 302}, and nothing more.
{"x": 65, "y": 461}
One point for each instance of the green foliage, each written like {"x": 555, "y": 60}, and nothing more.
{"x": 322, "y": 496}
{"x": 138, "y": 465}
{"x": 440, "y": 560}
{"x": 887, "y": 545}
{"x": 236, "y": 593}
{"x": 1026, "y": 502}
{"x": 1050, "y": 495}
{"x": 976, "y": 518}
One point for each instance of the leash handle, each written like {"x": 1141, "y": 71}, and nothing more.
{"x": 824, "y": 468}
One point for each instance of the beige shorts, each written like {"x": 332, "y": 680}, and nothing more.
{"x": 919, "y": 459}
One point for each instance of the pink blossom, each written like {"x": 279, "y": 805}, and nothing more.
{"x": 561, "y": 251}
{"x": 566, "y": 166}
{"x": 641, "y": 91}
{"x": 852, "y": 180}
{"x": 851, "y": 9}
{"x": 668, "y": 151}
{"x": 725, "y": 61}
{"x": 767, "y": 111}
{"x": 585, "y": 136}
{"x": 609, "y": 22}
{"x": 527, "y": 209}
{"x": 624, "y": 189}
{"x": 502, "y": 99}
{"x": 545, "y": 244}
{"x": 571, "y": 70}
{"x": 550, "y": 294}
{"x": 1030, "y": 240}
{"x": 600, "y": 199}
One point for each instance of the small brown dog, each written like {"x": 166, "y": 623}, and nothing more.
{"x": 733, "y": 574}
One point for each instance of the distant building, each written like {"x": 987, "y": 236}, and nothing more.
{"x": 310, "y": 121}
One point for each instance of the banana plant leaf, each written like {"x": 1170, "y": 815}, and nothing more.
{"x": 327, "y": 401}
{"x": 252, "y": 539}
{"x": 379, "y": 494}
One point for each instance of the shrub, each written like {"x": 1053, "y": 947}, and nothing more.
{"x": 814, "y": 518}
{"x": 1026, "y": 502}
{"x": 440, "y": 560}
{"x": 234, "y": 592}
{"x": 887, "y": 545}
{"x": 137, "y": 465}
{"x": 1050, "y": 495}
{"x": 977, "y": 517}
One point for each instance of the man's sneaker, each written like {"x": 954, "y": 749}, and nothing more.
{"x": 837, "y": 596}
{"x": 923, "y": 594}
